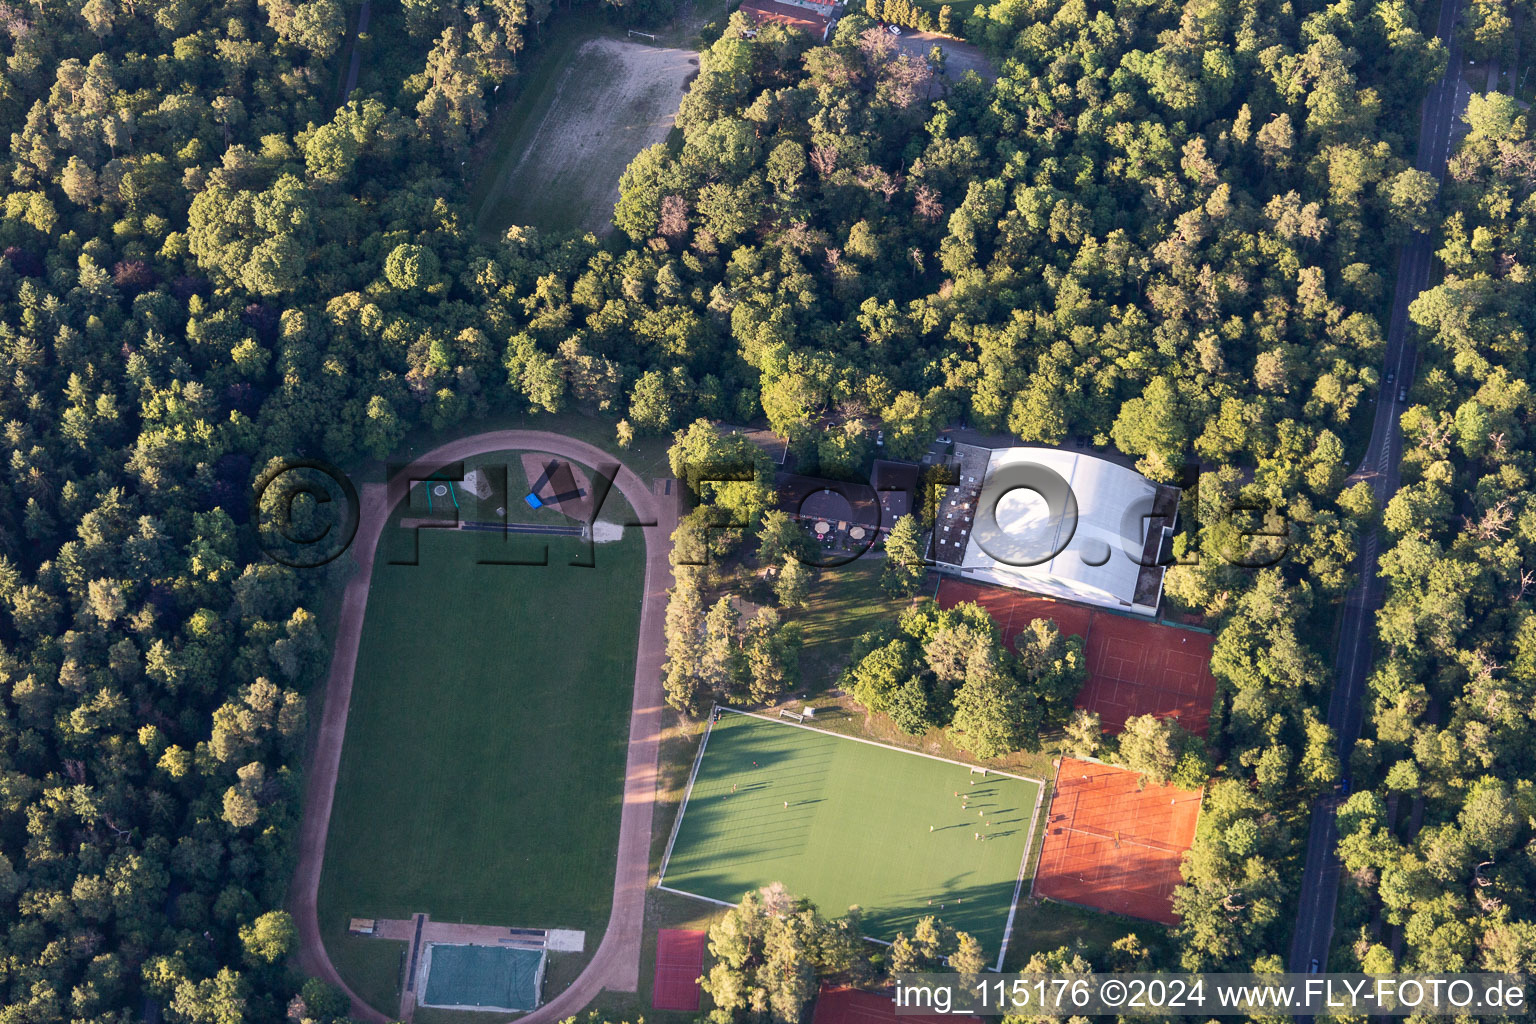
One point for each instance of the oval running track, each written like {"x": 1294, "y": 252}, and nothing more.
{"x": 616, "y": 964}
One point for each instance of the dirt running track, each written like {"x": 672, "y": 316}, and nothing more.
{"x": 616, "y": 964}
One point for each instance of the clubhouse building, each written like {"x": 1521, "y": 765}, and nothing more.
{"x": 1060, "y": 523}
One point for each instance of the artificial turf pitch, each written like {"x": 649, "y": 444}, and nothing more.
{"x": 856, "y": 831}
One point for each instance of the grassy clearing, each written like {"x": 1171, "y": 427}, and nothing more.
{"x": 846, "y": 823}
{"x": 585, "y": 106}
{"x": 959, "y": 10}
{"x": 1522, "y": 81}
{"x": 844, "y": 716}
{"x": 372, "y": 967}
{"x": 1043, "y": 926}
{"x": 478, "y": 686}
{"x": 845, "y": 602}
{"x": 381, "y": 51}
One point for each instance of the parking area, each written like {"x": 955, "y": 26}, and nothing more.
{"x": 959, "y": 57}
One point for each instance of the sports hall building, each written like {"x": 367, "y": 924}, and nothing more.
{"x": 1066, "y": 524}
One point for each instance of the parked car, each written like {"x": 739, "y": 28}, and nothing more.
{"x": 879, "y": 437}
{"x": 893, "y": 30}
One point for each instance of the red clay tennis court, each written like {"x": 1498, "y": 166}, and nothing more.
{"x": 1112, "y": 845}
{"x": 1135, "y": 667}
{"x": 679, "y": 962}
{"x": 854, "y": 1006}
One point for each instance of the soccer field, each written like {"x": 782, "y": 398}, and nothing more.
{"x": 484, "y": 760}
{"x": 865, "y": 824}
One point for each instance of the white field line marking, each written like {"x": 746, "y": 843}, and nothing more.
{"x": 1034, "y": 881}
{"x": 698, "y": 758}
{"x": 1018, "y": 885}
{"x": 876, "y": 743}
{"x": 694, "y": 896}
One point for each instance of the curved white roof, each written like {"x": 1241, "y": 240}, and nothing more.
{"x": 1062, "y": 523}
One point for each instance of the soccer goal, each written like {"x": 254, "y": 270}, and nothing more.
{"x": 792, "y": 715}
{"x": 979, "y": 771}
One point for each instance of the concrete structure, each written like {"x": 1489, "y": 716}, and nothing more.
{"x": 1061, "y": 523}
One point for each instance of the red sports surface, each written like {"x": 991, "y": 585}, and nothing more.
{"x": 853, "y": 1006}
{"x": 679, "y": 962}
{"x": 1135, "y": 667}
{"x": 1111, "y": 844}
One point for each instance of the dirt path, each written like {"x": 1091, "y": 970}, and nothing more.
{"x": 616, "y": 964}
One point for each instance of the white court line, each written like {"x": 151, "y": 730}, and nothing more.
{"x": 882, "y": 746}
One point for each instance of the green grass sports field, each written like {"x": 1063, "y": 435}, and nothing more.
{"x": 484, "y": 759}
{"x": 865, "y": 824}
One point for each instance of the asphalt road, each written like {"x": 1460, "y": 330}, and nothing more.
{"x": 1320, "y": 881}
{"x": 354, "y": 60}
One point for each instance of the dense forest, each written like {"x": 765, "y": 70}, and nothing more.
{"x": 1161, "y": 229}
{"x": 193, "y": 235}
{"x": 1157, "y": 231}
{"x": 1442, "y": 848}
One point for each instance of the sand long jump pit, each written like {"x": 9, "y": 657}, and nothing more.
{"x": 557, "y": 168}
